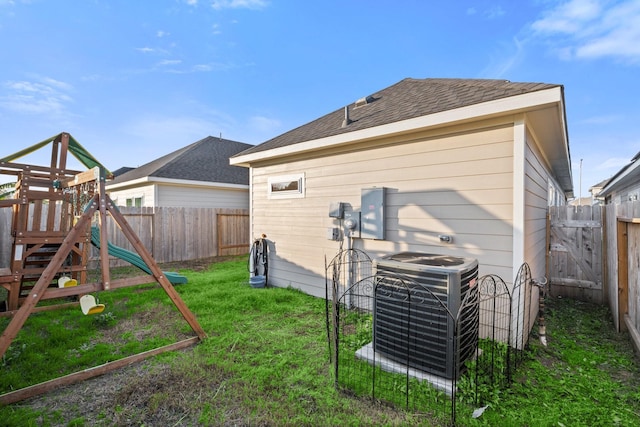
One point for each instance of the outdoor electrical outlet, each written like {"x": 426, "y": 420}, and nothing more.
{"x": 333, "y": 233}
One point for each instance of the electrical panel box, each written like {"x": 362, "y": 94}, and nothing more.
{"x": 372, "y": 208}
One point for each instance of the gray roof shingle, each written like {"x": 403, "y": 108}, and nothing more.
{"x": 205, "y": 160}
{"x": 407, "y": 99}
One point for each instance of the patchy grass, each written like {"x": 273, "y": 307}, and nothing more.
{"x": 265, "y": 362}
{"x": 588, "y": 375}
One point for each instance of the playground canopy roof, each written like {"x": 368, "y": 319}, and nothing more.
{"x": 78, "y": 151}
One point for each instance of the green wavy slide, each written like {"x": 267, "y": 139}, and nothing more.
{"x": 133, "y": 258}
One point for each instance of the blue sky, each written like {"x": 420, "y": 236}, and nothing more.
{"x": 134, "y": 80}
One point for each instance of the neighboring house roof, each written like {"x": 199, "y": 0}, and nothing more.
{"x": 205, "y": 160}
{"x": 600, "y": 185}
{"x": 596, "y": 189}
{"x": 421, "y": 103}
{"x": 121, "y": 170}
{"x": 581, "y": 201}
{"x": 624, "y": 177}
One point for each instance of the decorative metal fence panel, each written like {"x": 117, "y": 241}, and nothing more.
{"x": 396, "y": 340}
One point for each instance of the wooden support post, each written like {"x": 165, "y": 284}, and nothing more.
{"x": 623, "y": 273}
{"x": 547, "y": 248}
{"x": 54, "y": 153}
{"x": 64, "y": 149}
{"x": 104, "y": 249}
{"x": 44, "y": 281}
{"x": 20, "y": 222}
{"x": 153, "y": 266}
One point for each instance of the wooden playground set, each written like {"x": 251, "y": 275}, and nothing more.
{"x": 57, "y": 215}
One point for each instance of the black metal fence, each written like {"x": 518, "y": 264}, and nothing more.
{"x": 397, "y": 340}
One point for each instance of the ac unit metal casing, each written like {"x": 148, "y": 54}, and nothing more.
{"x": 409, "y": 325}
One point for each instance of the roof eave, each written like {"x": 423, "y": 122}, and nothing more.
{"x": 498, "y": 107}
{"x": 173, "y": 181}
{"x": 629, "y": 172}
{"x": 124, "y": 184}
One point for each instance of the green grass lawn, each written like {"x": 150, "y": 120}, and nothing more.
{"x": 265, "y": 362}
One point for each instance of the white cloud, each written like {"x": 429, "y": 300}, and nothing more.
{"x": 593, "y": 29}
{"x": 264, "y": 124}
{"x": 161, "y": 33}
{"x": 601, "y": 120}
{"x": 158, "y": 135}
{"x": 153, "y": 51}
{"x": 239, "y": 4}
{"x": 203, "y": 67}
{"x": 57, "y": 83}
{"x": 183, "y": 130}
{"x": 501, "y": 67}
{"x": 494, "y": 12}
{"x": 169, "y": 62}
{"x": 44, "y": 96}
{"x": 170, "y": 66}
{"x": 569, "y": 17}
{"x": 612, "y": 163}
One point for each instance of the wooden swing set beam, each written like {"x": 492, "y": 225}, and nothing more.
{"x": 41, "y": 388}
{"x": 102, "y": 204}
{"x": 53, "y": 293}
{"x": 38, "y": 290}
{"x": 153, "y": 266}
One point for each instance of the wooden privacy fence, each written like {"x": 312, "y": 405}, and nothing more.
{"x": 594, "y": 255}
{"x": 623, "y": 259}
{"x": 170, "y": 233}
{"x": 575, "y": 263}
{"x": 180, "y": 234}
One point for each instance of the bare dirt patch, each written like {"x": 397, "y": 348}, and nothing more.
{"x": 145, "y": 393}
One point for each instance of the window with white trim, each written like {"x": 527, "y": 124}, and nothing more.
{"x": 286, "y": 186}
{"x": 134, "y": 202}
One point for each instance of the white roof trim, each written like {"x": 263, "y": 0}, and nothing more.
{"x": 614, "y": 183}
{"x": 173, "y": 181}
{"x": 502, "y": 106}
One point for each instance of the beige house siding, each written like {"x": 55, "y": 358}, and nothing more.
{"x": 628, "y": 193}
{"x": 532, "y": 184}
{"x": 182, "y": 196}
{"x": 167, "y": 195}
{"x": 147, "y": 192}
{"x": 537, "y": 178}
{"x": 458, "y": 182}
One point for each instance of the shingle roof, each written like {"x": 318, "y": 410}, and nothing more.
{"x": 121, "y": 171}
{"x": 404, "y": 100}
{"x": 629, "y": 174}
{"x": 205, "y": 160}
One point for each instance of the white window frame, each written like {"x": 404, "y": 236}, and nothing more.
{"x": 284, "y": 181}
{"x": 133, "y": 201}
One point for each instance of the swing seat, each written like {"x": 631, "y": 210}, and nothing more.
{"x": 89, "y": 306}
{"x": 67, "y": 282}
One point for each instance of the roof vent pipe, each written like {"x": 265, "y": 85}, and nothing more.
{"x": 346, "y": 120}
